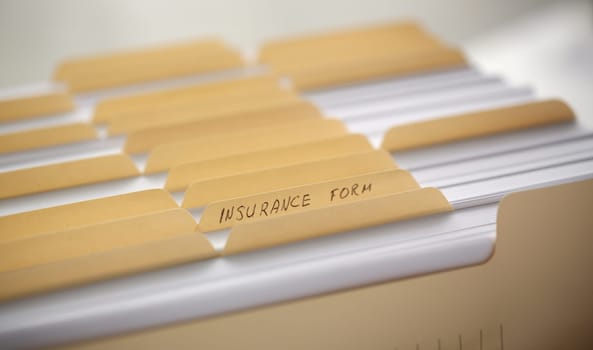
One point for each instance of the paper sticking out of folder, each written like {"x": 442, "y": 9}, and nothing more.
{"x": 322, "y": 61}
{"x": 133, "y": 67}
{"x": 20, "y": 108}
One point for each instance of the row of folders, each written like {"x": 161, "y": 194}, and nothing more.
{"x": 138, "y": 183}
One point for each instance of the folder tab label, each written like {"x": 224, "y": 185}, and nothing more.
{"x": 265, "y": 208}
{"x": 228, "y": 213}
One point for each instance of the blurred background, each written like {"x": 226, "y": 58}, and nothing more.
{"x": 542, "y": 43}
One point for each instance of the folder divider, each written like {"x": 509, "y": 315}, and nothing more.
{"x": 202, "y": 193}
{"x": 111, "y": 70}
{"x": 241, "y": 210}
{"x": 476, "y": 124}
{"x": 46, "y": 137}
{"x": 91, "y": 212}
{"x": 134, "y": 122}
{"x": 85, "y": 83}
{"x": 357, "y": 53}
{"x": 35, "y": 106}
{"x": 146, "y": 139}
{"x": 108, "y": 108}
{"x": 166, "y": 156}
{"x": 349, "y": 72}
{"x": 117, "y": 59}
{"x": 104, "y": 236}
{"x": 68, "y": 174}
{"x": 333, "y": 219}
{"x": 181, "y": 176}
{"x": 161, "y": 253}
{"x": 276, "y": 50}
{"x": 366, "y": 45}
{"x": 208, "y": 105}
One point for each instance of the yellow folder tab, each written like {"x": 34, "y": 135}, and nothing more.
{"x": 346, "y": 71}
{"x": 222, "y": 107}
{"x": 477, "y": 124}
{"x": 355, "y": 53}
{"x": 207, "y": 103}
{"x": 228, "y": 213}
{"x": 332, "y": 45}
{"x": 333, "y": 219}
{"x": 68, "y": 174}
{"x": 52, "y": 136}
{"x": 180, "y": 177}
{"x": 109, "y": 108}
{"x": 147, "y": 139}
{"x": 35, "y": 106}
{"x": 205, "y": 192}
{"x": 84, "y": 213}
{"x": 117, "y": 69}
{"x": 112, "y": 263}
{"x": 169, "y": 155}
{"x": 87, "y": 240}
